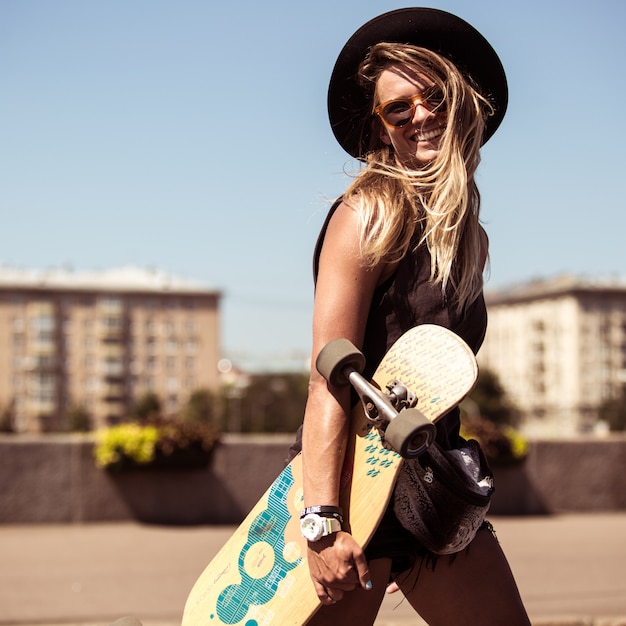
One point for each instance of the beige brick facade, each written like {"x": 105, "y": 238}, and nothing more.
{"x": 100, "y": 340}
{"x": 559, "y": 349}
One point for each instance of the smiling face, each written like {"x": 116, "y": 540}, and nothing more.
{"x": 416, "y": 142}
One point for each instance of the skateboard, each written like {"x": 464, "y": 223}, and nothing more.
{"x": 260, "y": 577}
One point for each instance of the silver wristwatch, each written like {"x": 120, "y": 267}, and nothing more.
{"x": 313, "y": 526}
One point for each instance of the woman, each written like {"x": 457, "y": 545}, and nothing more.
{"x": 414, "y": 94}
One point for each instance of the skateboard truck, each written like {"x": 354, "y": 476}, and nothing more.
{"x": 400, "y": 395}
{"x": 405, "y": 429}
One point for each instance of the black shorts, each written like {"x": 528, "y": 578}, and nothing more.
{"x": 392, "y": 541}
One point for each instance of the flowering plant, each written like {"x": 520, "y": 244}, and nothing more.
{"x": 158, "y": 443}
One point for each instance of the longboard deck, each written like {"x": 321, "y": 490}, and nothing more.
{"x": 260, "y": 577}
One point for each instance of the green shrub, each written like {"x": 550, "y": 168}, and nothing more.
{"x": 152, "y": 443}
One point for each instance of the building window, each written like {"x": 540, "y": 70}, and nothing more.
{"x": 111, "y": 302}
{"x": 113, "y": 366}
{"x": 43, "y": 388}
{"x": 112, "y": 322}
{"x": 44, "y": 361}
{"x": 18, "y": 324}
{"x": 43, "y": 327}
{"x": 538, "y": 326}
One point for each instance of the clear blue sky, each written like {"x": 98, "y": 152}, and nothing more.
{"x": 192, "y": 136}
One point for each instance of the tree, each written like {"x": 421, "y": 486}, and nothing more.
{"x": 78, "y": 419}
{"x": 7, "y": 419}
{"x": 271, "y": 403}
{"x": 613, "y": 412}
{"x": 488, "y": 416}
{"x": 146, "y": 407}
{"x": 491, "y": 399}
{"x": 200, "y": 407}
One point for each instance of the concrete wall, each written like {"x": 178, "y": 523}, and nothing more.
{"x": 52, "y": 479}
{"x": 585, "y": 474}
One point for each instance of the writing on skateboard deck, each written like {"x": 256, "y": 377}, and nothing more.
{"x": 260, "y": 577}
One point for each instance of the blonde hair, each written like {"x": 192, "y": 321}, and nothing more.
{"x": 439, "y": 200}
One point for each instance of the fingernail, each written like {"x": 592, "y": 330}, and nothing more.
{"x": 368, "y": 585}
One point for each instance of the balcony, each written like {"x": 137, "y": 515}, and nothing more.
{"x": 112, "y": 327}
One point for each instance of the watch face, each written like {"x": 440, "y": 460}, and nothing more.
{"x": 311, "y": 527}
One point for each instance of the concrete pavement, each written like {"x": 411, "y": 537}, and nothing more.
{"x": 571, "y": 570}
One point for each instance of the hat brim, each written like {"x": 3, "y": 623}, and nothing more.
{"x": 433, "y": 29}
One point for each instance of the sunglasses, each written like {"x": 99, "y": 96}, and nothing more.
{"x": 399, "y": 112}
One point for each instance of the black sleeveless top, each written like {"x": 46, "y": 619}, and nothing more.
{"x": 407, "y": 299}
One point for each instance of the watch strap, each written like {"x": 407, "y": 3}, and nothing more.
{"x": 331, "y": 525}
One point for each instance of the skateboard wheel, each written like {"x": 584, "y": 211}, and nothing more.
{"x": 410, "y": 433}
{"x": 334, "y": 357}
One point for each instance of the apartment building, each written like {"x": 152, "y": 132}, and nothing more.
{"x": 100, "y": 340}
{"x": 559, "y": 349}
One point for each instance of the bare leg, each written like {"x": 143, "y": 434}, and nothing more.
{"x": 358, "y": 606}
{"x": 473, "y": 587}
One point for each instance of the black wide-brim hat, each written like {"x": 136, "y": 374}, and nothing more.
{"x": 433, "y": 29}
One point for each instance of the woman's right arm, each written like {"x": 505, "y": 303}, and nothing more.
{"x": 344, "y": 291}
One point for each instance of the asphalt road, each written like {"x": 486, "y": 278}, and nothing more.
{"x": 571, "y": 570}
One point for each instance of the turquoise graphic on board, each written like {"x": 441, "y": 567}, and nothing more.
{"x": 380, "y": 456}
{"x": 268, "y": 527}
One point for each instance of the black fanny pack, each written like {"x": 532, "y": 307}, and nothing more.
{"x": 442, "y": 496}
